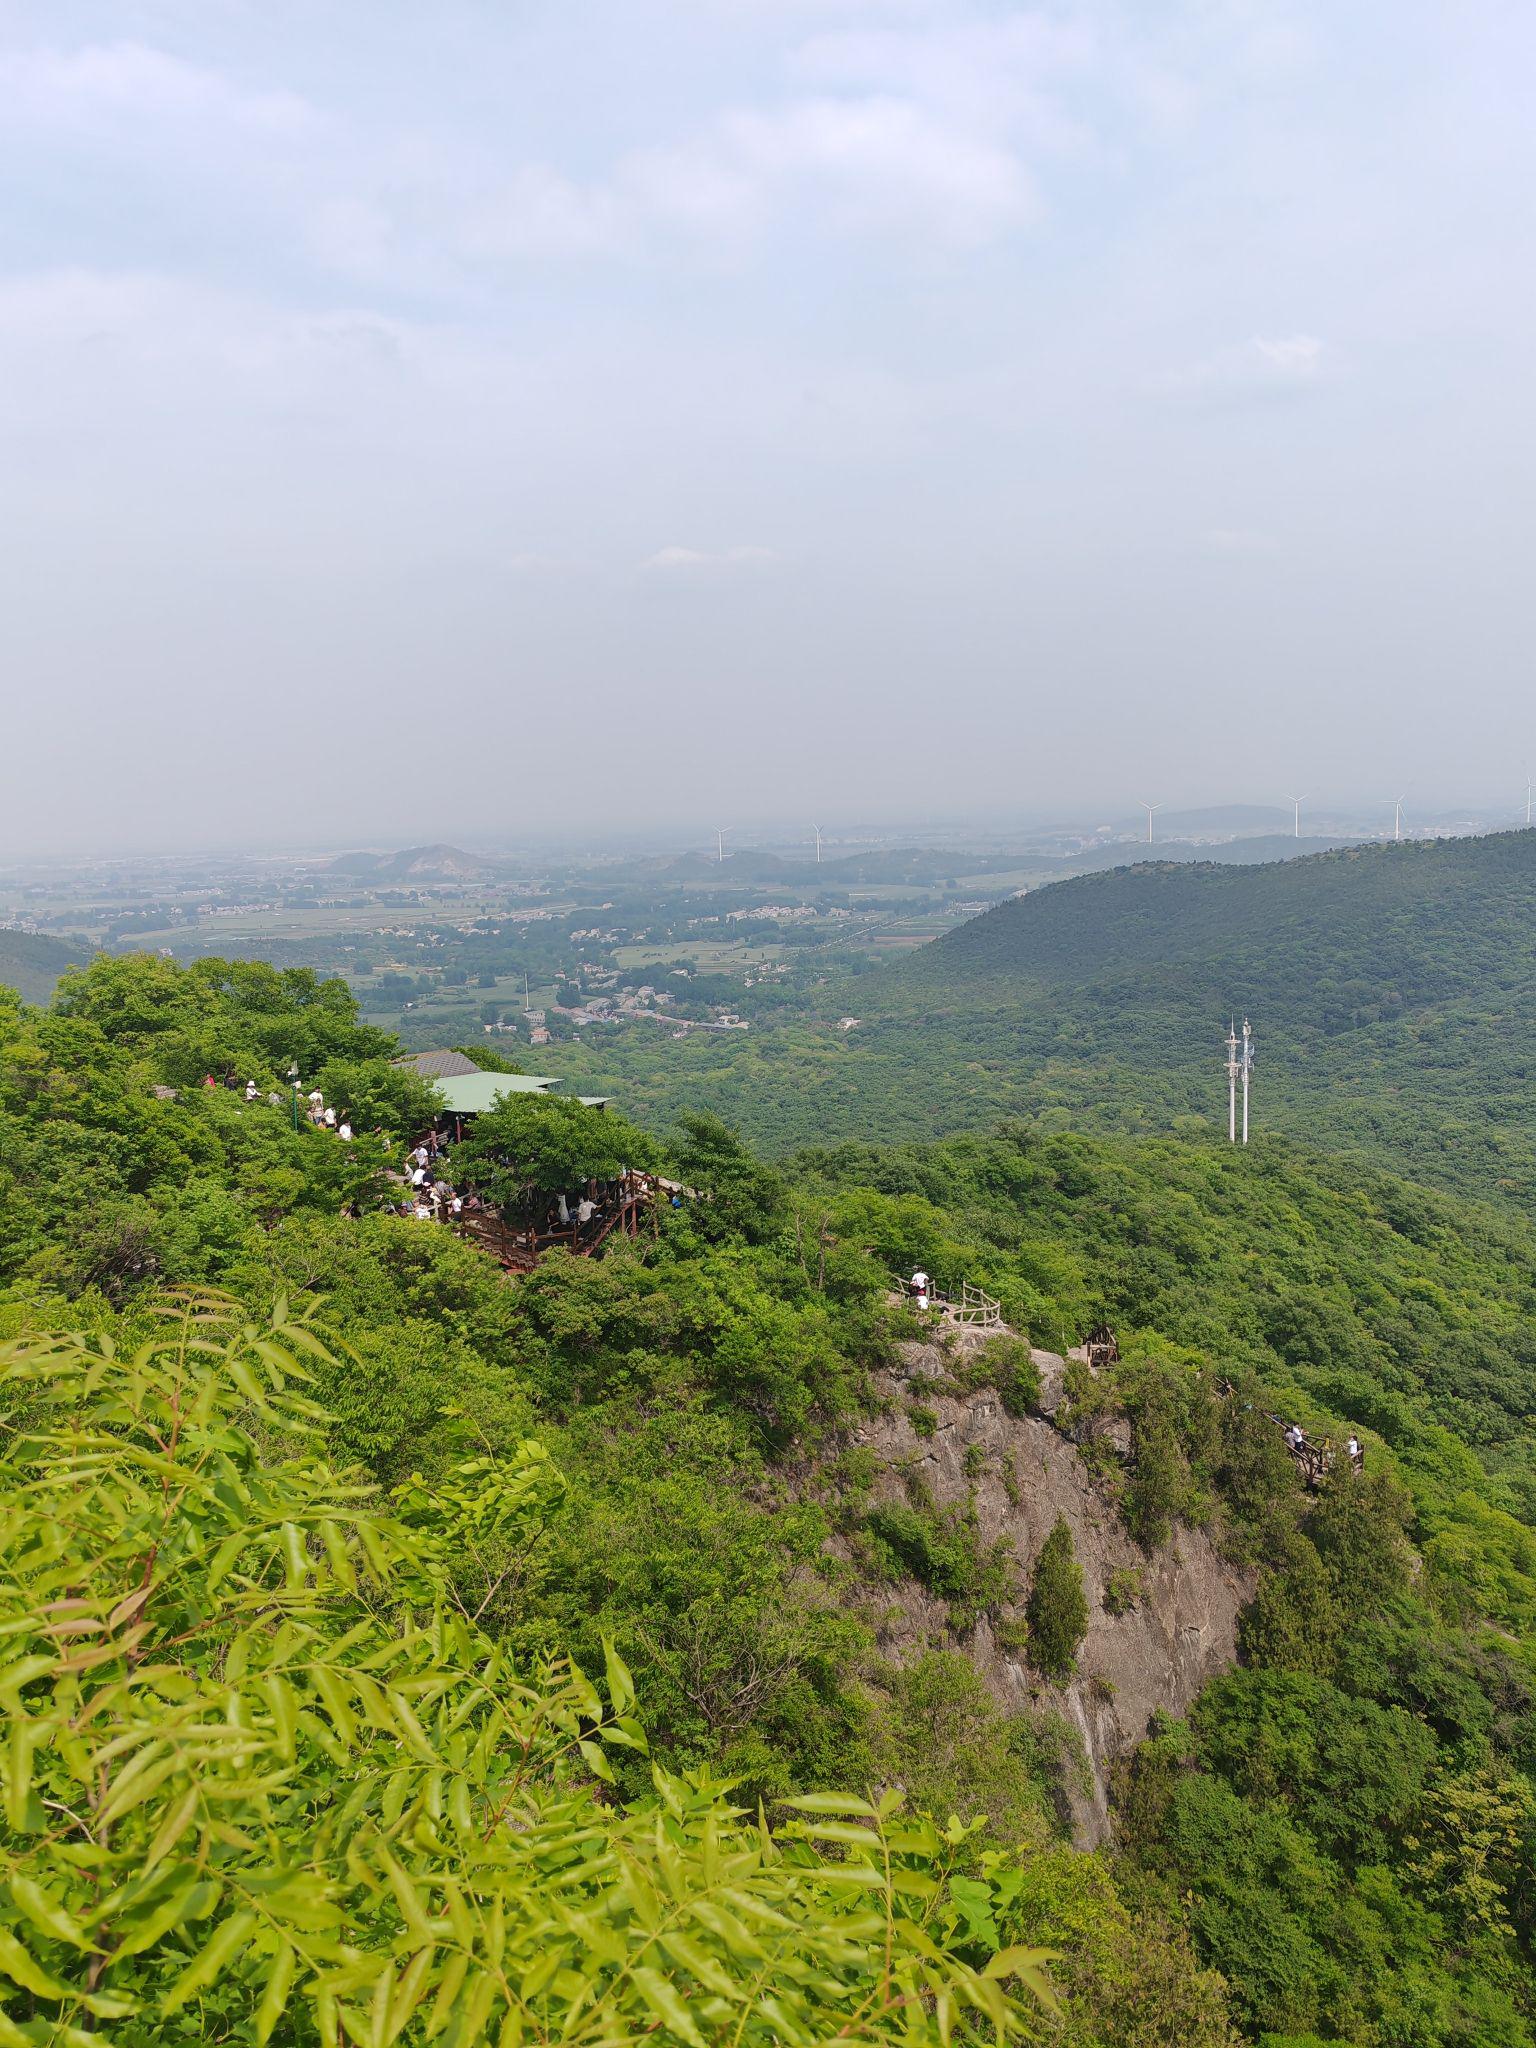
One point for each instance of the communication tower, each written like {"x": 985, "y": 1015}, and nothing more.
{"x": 1234, "y": 1068}
{"x": 1247, "y": 1070}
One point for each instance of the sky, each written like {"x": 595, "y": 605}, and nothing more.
{"x": 511, "y": 417}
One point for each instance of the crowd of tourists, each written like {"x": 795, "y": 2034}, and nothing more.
{"x": 430, "y": 1197}
{"x": 322, "y": 1114}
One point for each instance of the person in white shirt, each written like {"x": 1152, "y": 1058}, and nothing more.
{"x": 250, "y": 1091}
{"x": 344, "y": 1131}
{"x": 330, "y": 1119}
{"x": 584, "y": 1210}
{"x": 920, "y": 1289}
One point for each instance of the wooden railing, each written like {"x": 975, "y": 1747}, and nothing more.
{"x": 974, "y": 1310}
{"x": 519, "y": 1251}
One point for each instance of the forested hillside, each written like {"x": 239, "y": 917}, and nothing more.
{"x": 1389, "y": 988}
{"x": 423, "y": 1499}
{"x": 31, "y": 963}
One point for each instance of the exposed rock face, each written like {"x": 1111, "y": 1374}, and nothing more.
{"x": 1182, "y": 1630}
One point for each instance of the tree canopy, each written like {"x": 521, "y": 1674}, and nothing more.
{"x": 264, "y": 1776}
{"x": 525, "y": 1143}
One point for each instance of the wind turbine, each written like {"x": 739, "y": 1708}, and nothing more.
{"x": 1528, "y": 787}
{"x": 817, "y": 830}
{"x": 1397, "y": 814}
{"x": 1150, "y": 809}
{"x": 1296, "y": 802}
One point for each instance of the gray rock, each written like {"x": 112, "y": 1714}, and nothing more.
{"x": 1155, "y": 1658}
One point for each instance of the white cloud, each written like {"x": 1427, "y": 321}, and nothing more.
{"x": 1265, "y": 365}
{"x": 127, "y": 83}
{"x": 676, "y": 561}
{"x": 848, "y": 165}
{"x": 860, "y": 163}
{"x": 1290, "y": 359}
{"x": 981, "y": 74}
{"x": 1240, "y": 541}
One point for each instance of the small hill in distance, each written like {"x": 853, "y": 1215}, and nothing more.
{"x": 413, "y": 864}
{"x": 31, "y": 963}
{"x": 929, "y": 867}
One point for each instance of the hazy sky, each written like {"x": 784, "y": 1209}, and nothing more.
{"x": 425, "y": 416}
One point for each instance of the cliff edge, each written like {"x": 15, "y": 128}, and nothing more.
{"x": 1022, "y": 1473}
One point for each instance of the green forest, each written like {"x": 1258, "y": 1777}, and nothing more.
{"x": 395, "y": 1651}
{"x": 1386, "y": 985}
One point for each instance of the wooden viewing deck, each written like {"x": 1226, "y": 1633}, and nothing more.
{"x": 518, "y": 1250}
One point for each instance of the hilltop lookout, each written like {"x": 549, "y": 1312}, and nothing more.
{"x": 533, "y": 1170}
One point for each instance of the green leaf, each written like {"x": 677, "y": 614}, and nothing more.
{"x": 664, "y": 2002}
{"x": 46, "y": 1914}
{"x": 225, "y": 1941}
{"x": 24, "y": 1735}
{"x": 841, "y": 1831}
{"x": 621, "y": 1687}
{"x": 832, "y": 1802}
{"x": 182, "y": 1905}
{"x": 24, "y": 1969}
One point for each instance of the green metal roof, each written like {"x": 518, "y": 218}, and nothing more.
{"x": 469, "y": 1094}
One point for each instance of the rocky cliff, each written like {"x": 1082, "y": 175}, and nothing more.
{"x": 1023, "y": 1473}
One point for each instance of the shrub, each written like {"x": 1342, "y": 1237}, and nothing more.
{"x": 1010, "y": 1632}
{"x": 1005, "y": 1363}
{"x": 273, "y": 1784}
{"x": 1058, "y": 1608}
{"x": 941, "y": 1549}
{"x": 1122, "y": 1590}
{"x": 1159, "y": 1480}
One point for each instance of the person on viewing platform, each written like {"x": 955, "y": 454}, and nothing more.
{"x": 344, "y": 1131}
{"x": 920, "y": 1290}
{"x": 585, "y": 1209}
{"x": 330, "y": 1119}
{"x": 1356, "y": 1454}
{"x": 250, "y": 1091}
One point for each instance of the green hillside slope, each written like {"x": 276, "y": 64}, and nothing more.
{"x": 31, "y": 963}
{"x": 1390, "y": 989}
{"x": 667, "y": 1450}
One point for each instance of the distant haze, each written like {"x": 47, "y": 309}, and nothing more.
{"x": 435, "y": 421}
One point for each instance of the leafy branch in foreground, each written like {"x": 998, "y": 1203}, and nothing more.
{"x": 263, "y": 1779}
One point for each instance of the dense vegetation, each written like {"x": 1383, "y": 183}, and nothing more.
{"x": 31, "y": 962}
{"x": 651, "y": 1456}
{"x": 1386, "y": 985}
{"x": 267, "y": 1779}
